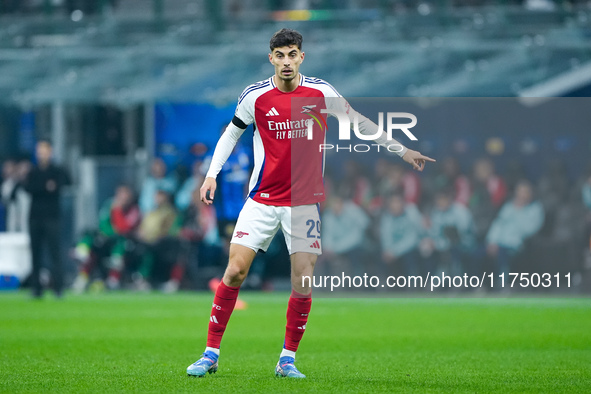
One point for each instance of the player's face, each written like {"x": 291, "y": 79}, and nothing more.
{"x": 286, "y": 61}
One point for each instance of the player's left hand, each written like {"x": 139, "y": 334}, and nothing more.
{"x": 207, "y": 190}
{"x": 416, "y": 159}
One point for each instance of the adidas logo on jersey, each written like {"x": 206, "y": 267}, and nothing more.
{"x": 315, "y": 245}
{"x": 273, "y": 112}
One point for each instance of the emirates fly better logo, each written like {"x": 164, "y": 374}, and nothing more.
{"x": 345, "y": 128}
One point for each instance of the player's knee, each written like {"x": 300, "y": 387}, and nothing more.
{"x": 304, "y": 269}
{"x": 236, "y": 272}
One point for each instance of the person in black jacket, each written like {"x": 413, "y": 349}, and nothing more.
{"x": 44, "y": 183}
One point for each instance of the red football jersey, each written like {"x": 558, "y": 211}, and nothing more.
{"x": 288, "y": 167}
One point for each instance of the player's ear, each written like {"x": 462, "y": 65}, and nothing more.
{"x": 270, "y": 58}
{"x": 303, "y": 54}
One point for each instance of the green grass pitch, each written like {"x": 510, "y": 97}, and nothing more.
{"x": 143, "y": 343}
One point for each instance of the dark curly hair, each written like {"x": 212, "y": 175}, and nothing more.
{"x": 286, "y": 37}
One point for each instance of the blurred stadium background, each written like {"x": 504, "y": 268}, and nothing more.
{"x": 117, "y": 83}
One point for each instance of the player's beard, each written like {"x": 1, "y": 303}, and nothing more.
{"x": 291, "y": 77}
{"x": 288, "y": 79}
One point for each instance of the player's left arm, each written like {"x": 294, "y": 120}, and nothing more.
{"x": 222, "y": 151}
{"x": 367, "y": 127}
{"x": 413, "y": 157}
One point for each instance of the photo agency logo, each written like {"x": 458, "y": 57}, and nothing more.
{"x": 345, "y": 123}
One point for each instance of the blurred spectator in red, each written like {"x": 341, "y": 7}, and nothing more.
{"x": 356, "y": 184}
{"x": 489, "y": 193}
{"x": 397, "y": 179}
{"x": 119, "y": 217}
{"x": 451, "y": 177}
{"x": 487, "y": 182}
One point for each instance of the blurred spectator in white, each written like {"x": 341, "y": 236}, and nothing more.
{"x": 401, "y": 230}
{"x": 489, "y": 193}
{"x": 14, "y": 197}
{"x": 344, "y": 226}
{"x": 157, "y": 180}
{"x": 518, "y": 220}
{"x": 451, "y": 234}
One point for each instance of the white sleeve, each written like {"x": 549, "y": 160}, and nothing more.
{"x": 243, "y": 117}
{"x": 223, "y": 149}
{"x": 245, "y": 108}
{"x": 366, "y": 126}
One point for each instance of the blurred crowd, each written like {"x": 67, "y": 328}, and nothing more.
{"x": 387, "y": 219}
{"x": 380, "y": 218}
{"x": 164, "y": 234}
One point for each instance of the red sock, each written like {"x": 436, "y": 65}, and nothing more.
{"x": 223, "y": 305}
{"x": 298, "y": 308}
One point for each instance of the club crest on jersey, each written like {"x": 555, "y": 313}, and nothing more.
{"x": 308, "y": 110}
{"x": 240, "y": 234}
